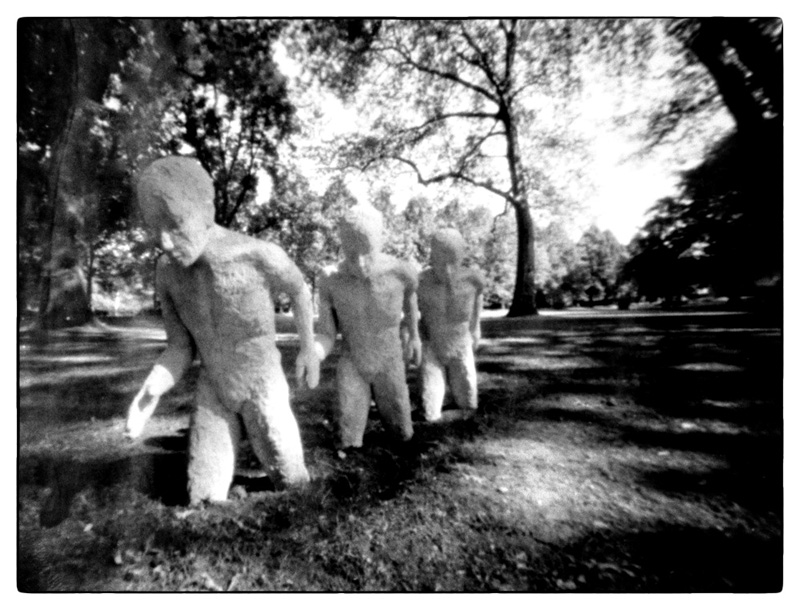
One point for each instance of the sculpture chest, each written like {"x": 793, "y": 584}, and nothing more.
{"x": 440, "y": 304}
{"x": 223, "y": 303}
{"x": 374, "y": 304}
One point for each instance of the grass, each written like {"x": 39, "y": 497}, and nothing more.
{"x": 628, "y": 453}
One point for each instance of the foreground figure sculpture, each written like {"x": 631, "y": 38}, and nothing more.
{"x": 367, "y": 299}
{"x": 449, "y": 303}
{"x": 216, "y": 289}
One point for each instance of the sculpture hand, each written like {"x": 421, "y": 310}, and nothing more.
{"x": 476, "y": 340}
{"x": 307, "y": 367}
{"x": 139, "y": 412}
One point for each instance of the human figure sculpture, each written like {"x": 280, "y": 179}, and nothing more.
{"x": 367, "y": 299}
{"x": 216, "y": 289}
{"x": 450, "y": 300}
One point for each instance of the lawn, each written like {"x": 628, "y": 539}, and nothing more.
{"x": 612, "y": 452}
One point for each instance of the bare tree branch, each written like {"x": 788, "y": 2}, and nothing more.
{"x": 511, "y": 50}
{"x": 449, "y": 76}
{"x": 482, "y": 61}
{"x": 452, "y": 115}
{"x": 451, "y": 175}
{"x": 474, "y": 150}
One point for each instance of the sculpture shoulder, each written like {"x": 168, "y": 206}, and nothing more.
{"x": 230, "y": 246}
{"x": 427, "y": 279}
{"x": 473, "y": 277}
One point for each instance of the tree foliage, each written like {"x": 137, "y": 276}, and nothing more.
{"x": 600, "y": 257}
{"x": 723, "y": 229}
{"x": 99, "y": 98}
{"x": 481, "y": 103}
{"x": 65, "y": 69}
{"x": 236, "y": 108}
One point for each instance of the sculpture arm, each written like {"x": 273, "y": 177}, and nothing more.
{"x": 411, "y": 318}
{"x": 477, "y": 307}
{"x": 326, "y": 325}
{"x": 170, "y": 367}
{"x": 284, "y": 276}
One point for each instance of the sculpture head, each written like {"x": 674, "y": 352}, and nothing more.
{"x": 361, "y": 233}
{"x": 447, "y": 254}
{"x": 176, "y": 197}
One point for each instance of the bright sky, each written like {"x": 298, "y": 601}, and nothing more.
{"x": 625, "y": 188}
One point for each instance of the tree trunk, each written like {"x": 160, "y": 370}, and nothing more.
{"x": 742, "y": 88}
{"x": 524, "y": 301}
{"x": 64, "y": 299}
{"x": 731, "y": 80}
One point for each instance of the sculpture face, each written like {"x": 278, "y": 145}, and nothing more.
{"x": 176, "y": 197}
{"x": 360, "y": 232}
{"x": 359, "y": 254}
{"x": 447, "y": 254}
{"x": 182, "y": 239}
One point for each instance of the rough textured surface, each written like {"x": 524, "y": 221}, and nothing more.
{"x": 216, "y": 289}
{"x": 449, "y": 304}
{"x": 367, "y": 299}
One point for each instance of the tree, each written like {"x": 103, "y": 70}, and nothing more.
{"x": 100, "y": 98}
{"x": 213, "y": 86}
{"x": 124, "y": 264}
{"x": 63, "y": 77}
{"x": 664, "y": 260}
{"x": 734, "y": 197}
{"x": 744, "y": 57}
{"x": 302, "y": 222}
{"x": 600, "y": 259}
{"x": 557, "y": 286}
{"x": 236, "y": 108}
{"x": 458, "y": 105}
{"x": 499, "y": 254}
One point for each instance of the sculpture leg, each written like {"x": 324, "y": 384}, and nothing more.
{"x": 432, "y": 376}
{"x": 213, "y": 440}
{"x": 273, "y": 431}
{"x": 353, "y": 407}
{"x": 464, "y": 380}
{"x": 391, "y": 397}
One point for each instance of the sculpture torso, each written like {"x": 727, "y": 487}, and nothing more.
{"x": 446, "y": 312}
{"x": 369, "y": 311}
{"x": 225, "y": 302}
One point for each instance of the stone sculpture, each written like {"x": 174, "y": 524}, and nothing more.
{"x": 367, "y": 299}
{"x": 450, "y": 301}
{"x": 216, "y": 289}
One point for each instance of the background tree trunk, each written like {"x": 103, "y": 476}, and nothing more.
{"x": 524, "y": 300}
{"x": 64, "y": 299}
